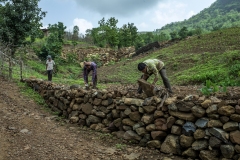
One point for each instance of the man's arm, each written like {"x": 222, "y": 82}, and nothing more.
{"x": 94, "y": 73}
{"x": 85, "y": 77}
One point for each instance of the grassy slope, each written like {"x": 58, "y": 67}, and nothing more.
{"x": 190, "y": 61}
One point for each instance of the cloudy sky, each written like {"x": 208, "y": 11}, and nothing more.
{"x": 147, "y": 15}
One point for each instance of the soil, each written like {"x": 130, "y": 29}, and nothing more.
{"x": 30, "y": 132}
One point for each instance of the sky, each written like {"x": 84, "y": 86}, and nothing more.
{"x": 147, "y": 15}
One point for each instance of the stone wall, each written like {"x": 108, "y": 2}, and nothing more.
{"x": 104, "y": 55}
{"x": 194, "y": 126}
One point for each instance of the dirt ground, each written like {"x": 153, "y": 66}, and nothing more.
{"x": 28, "y": 132}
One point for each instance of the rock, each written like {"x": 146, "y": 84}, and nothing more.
{"x": 137, "y": 125}
{"x": 87, "y": 108}
{"x": 237, "y": 108}
{"x": 186, "y": 141}
{"x": 172, "y": 107}
{"x": 206, "y": 103}
{"x": 180, "y": 122}
{"x": 213, "y": 116}
{"x": 127, "y": 128}
{"x": 219, "y": 133}
{"x": 117, "y": 122}
{"x": 148, "y": 101}
{"x": 149, "y": 109}
{"x": 151, "y": 127}
{"x": 147, "y": 119}
{"x": 158, "y": 114}
{"x": 92, "y": 119}
{"x": 141, "y": 131}
{"x": 160, "y": 124}
{"x": 198, "y": 111}
{"x": 133, "y": 101}
{"x": 214, "y": 142}
{"x": 235, "y": 136}
{"x": 224, "y": 119}
{"x": 131, "y": 135}
{"x": 24, "y": 131}
{"x": 154, "y": 144}
{"x": 74, "y": 119}
{"x": 215, "y": 123}
{"x": 227, "y": 150}
{"x": 215, "y": 100}
{"x": 199, "y": 145}
{"x": 199, "y": 134}
{"x": 135, "y": 116}
{"x": 237, "y": 148}
{"x": 226, "y": 110}
{"x": 184, "y": 106}
{"x": 170, "y": 121}
{"x": 107, "y": 102}
{"x": 97, "y": 101}
{"x": 190, "y": 153}
{"x": 230, "y": 126}
{"x": 158, "y": 135}
{"x": 171, "y": 145}
{"x": 170, "y": 100}
{"x": 183, "y": 116}
{"x": 188, "y": 129}
{"x": 209, "y": 155}
{"x": 235, "y": 117}
{"x": 128, "y": 121}
{"x": 202, "y": 123}
{"x": 127, "y": 111}
{"x": 100, "y": 114}
{"x": 177, "y": 130}
{"x": 212, "y": 109}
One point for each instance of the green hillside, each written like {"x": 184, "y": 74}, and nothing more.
{"x": 221, "y": 14}
{"x": 214, "y": 56}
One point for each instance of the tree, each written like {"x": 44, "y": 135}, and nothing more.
{"x": 183, "y": 33}
{"x": 19, "y": 20}
{"x": 75, "y": 33}
{"x": 54, "y": 41}
{"x": 174, "y": 35}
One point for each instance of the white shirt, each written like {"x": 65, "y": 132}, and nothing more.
{"x": 50, "y": 64}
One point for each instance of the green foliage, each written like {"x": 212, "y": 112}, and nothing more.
{"x": 183, "y": 33}
{"x": 120, "y": 146}
{"x": 211, "y": 88}
{"x": 221, "y": 14}
{"x": 21, "y": 20}
{"x": 54, "y": 42}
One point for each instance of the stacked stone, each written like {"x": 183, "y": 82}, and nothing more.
{"x": 105, "y": 55}
{"x": 193, "y": 126}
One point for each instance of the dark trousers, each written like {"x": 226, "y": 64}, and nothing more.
{"x": 49, "y": 72}
{"x": 165, "y": 80}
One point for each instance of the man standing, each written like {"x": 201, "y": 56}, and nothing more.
{"x": 49, "y": 67}
{"x": 156, "y": 67}
{"x": 90, "y": 66}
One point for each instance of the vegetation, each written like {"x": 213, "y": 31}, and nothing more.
{"x": 19, "y": 20}
{"x": 213, "y": 56}
{"x": 221, "y": 14}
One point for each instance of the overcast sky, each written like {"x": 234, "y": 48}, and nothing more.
{"x": 147, "y": 15}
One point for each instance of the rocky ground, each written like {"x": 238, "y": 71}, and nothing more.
{"x": 28, "y": 131}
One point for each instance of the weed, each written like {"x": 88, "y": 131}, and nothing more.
{"x": 120, "y": 146}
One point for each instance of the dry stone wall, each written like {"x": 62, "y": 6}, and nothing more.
{"x": 105, "y": 55}
{"x": 194, "y": 126}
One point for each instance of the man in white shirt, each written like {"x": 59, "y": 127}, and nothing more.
{"x": 49, "y": 67}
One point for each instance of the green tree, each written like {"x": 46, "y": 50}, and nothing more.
{"x": 19, "y": 20}
{"x": 174, "y": 35}
{"x": 75, "y": 33}
{"x": 183, "y": 33}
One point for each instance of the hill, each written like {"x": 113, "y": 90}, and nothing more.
{"x": 221, "y": 14}
{"x": 213, "y": 56}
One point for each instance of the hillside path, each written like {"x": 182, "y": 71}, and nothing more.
{"x": 28, "y": 132}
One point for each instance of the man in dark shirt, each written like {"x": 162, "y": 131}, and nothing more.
{"x": 90, "y": 66}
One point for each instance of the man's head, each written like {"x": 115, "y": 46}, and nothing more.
{"x": 87, "y": 65}
{"x": 49, "y": 57}
{"x": 142, "y": 67}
